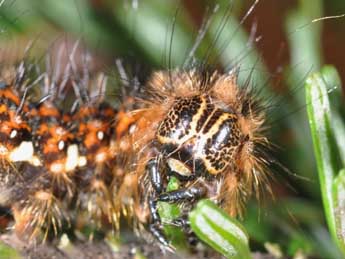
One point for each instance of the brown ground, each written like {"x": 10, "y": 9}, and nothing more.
{"x": 101, "y": 250}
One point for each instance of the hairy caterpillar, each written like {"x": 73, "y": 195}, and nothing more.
{"x": 63, "y": 157}
{"x": 204, "y": 130}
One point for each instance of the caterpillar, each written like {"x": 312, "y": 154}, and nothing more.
{"x": 205, "y": 131}
{"x": 59, "y": 161}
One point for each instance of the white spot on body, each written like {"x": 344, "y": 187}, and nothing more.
{"x": 72, "y": 158}
{"x": 24, "y": 152}
{"x": 100, "y": 135}
{"x": 13, "y": 134}
{"x": 61, "y": 145}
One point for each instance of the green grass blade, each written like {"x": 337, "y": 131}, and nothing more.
{"x": 339, "y": 200}
{"x": 217, "y": 229}
{"x": 325, "y": 147}
{"x": 305, "y": 57}
{"x": 304, "y": 40}
{"x": 332, "y": 79}
{"x": 339, "y": 131}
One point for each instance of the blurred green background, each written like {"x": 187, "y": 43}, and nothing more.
{"x": 277, "y": 44}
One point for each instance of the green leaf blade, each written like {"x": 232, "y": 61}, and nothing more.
{"x": 325, "y": 148}
{"x": 217, "y": 229}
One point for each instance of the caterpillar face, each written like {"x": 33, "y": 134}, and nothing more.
{"x": 199, "y": 137}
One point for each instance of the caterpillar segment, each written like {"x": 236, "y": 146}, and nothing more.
{"x": 128, "y": 201}
{"x": 65, "y": 159}
{"x": 35, "y": 141}
{"x": 15, "y": 141}
{"x": 14, "y": 130}
{"x": 55, "y": 145}
{"x": 41, "y": 214}
{"x": 95, "y": 176}
{"x": 29, "y": 193}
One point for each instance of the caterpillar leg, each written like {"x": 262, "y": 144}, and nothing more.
{"x": 152, "y": 168}
{"x": 183, "y": 194}
{"x": 156, "y": 227}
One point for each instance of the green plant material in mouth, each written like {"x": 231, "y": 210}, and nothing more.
{"x": 217, "y": 229}
{"x": 168, "y": 213}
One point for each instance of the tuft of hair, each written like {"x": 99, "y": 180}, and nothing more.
{"x": 250, "y": 172}
{"x": 38, "y": 214}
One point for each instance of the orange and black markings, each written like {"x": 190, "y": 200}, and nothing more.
{"x": 95, "y": 176}
{"x": 95, "y": 132}
{"x": 14, "y": 127}
{"x": 52, "y": 138}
